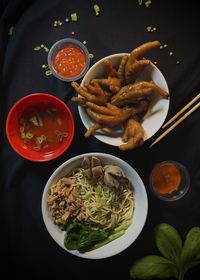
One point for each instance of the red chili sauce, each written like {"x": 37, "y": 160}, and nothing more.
{"x": 69, "y": 62}
{"x": 166, "y": 178}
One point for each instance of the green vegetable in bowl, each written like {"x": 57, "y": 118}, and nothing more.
{"x": 82, "y": 238}
{"x": 178, "y": 258}
{"x": 85, "y": 238}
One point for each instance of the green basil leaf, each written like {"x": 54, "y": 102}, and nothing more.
{"x": 191, "y": 249}
{"x": 168, "y": 242}
{"x": 151, "y": 267}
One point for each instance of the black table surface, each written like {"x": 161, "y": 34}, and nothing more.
{"x": 121, "y": 26}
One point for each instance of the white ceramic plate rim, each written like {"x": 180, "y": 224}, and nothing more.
{"x": 139, "y": 217}
{"x": 158, "y": 113}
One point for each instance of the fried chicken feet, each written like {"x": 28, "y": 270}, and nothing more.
{"x": 115, "y": 77}
{"x": 137, "y": 91}
{"x": 135, "y": 64}
{"x": 133, "y": 135}
{"x": 110, "y": 115}
{"x": 90, "y": 92}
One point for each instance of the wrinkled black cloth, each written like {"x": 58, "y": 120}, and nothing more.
{"x": 27, "y": 248}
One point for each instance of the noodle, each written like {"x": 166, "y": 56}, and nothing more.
{"x": 104, "y": 206}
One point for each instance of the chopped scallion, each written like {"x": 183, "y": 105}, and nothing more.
{"x": 10, "y": 31}
{"x": 74, "y": 17}
{"x": 148, "y": 3}
{"x": 37, "y": 48}
{"x": 96, "y": 9}
{"x": 48, "y": 72}
{"x": 46, "y": 49}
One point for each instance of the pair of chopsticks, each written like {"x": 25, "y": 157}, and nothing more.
{"x": 180, "y": 120}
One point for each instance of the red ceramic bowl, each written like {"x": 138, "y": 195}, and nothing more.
{"x": 13, "y": 127}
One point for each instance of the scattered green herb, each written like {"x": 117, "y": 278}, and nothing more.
{"x": 42, "y": 46}
{"x": 37, "y": 48}
{"x": 148, "y": 3}
{"x": 10, "y": 31}
{"x": 74, "y": 17}
{"x": 91, "y": 55}
{"x": 48, "y": 72}
{"x": 57, "y": 23}
{"x": 149, "y": 28}
{"x": 46, "y": 49}
{"x": 96, "y": 9}
{"x": 177, "y": 258}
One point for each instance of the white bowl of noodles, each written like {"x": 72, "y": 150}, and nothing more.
{"x": 137, "y": 219}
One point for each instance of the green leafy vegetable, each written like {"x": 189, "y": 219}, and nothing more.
{"x": 168, "y": 242}
{"x": 191, "y": 250}
{"x": 177, "y": 258}
{"x": 151, "y": 267}
{"x": 82, "y": 238}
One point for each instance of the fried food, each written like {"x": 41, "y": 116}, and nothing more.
{"x": 135, "y": 92}
{"x": 135, "y": 65}
{"x": 115, "y": 78}
{"x": 91, "y": 92}
{"x": 108, "y": 115}
{"x": 133, "y": 135}
{"x": 116, "y": 100}
{"x": 111, "y": 115}
{"x": 92, "y": 129}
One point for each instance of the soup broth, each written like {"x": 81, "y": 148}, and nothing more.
{"x": 43, "y": 127}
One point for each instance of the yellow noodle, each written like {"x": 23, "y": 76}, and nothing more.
{"x": 104, "y": 206}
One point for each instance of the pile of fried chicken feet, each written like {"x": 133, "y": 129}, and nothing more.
{"x": 119, "y": 99}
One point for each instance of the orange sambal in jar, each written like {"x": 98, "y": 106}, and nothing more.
{"x": 69, "y": 62}
{"x": 165, "y": 178}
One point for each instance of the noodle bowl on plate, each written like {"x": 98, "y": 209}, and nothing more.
{"x": 96, "y": 198}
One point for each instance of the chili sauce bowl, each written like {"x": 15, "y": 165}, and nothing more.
{"x": 68, "y": 59}
{"x": 169, "y": 180}
{"x": 40, "y": 127}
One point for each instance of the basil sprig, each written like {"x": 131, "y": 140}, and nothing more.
{"x": 177, "y": 258}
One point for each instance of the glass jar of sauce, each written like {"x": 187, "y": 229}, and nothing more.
{"x": 169, "y": 180}
{"x": 68, "y": 59}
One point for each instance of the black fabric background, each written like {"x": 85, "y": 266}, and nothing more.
{"x": 27, "y": 248}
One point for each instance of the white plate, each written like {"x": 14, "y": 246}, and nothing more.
{"x": 156, "y": 114}
{"x": 139, "y": 217}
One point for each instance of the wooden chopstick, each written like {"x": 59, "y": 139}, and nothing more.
{"x": 181, "y": 111}
{"x": 175, "y": 124}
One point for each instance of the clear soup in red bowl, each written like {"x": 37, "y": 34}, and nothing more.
{"x": 40, "y": 127}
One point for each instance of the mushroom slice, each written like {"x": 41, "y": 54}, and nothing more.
{"x": 97, "y": 170}
{"x": 86, "y": 166}
{"x": 113, "y": 176}
{"x": 95, "y": 162}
